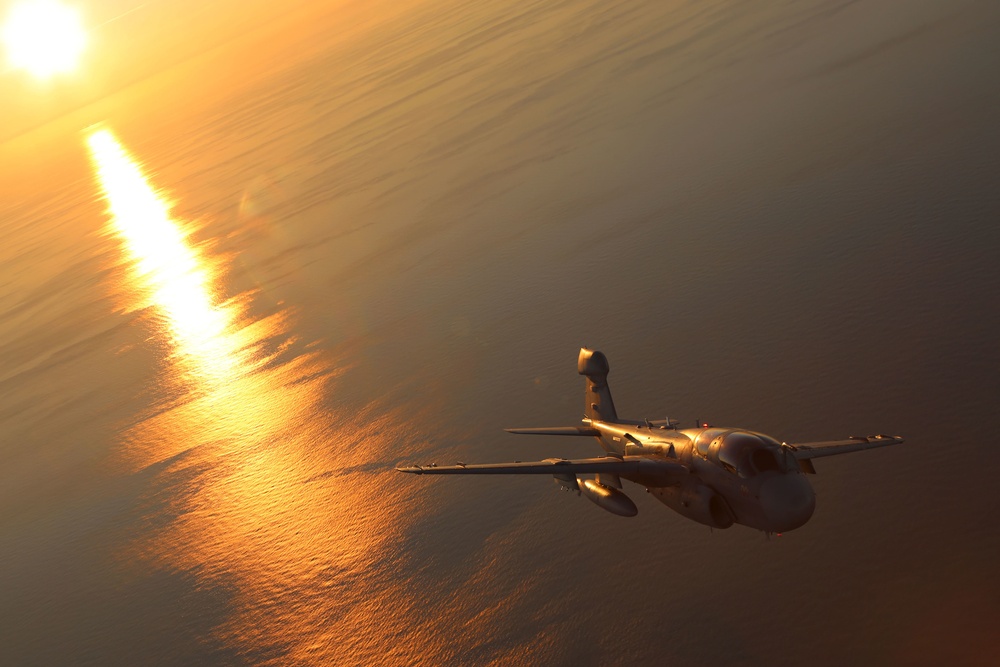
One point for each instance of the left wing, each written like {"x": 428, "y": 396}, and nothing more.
{"x": 653, "y": 472}
{"x": 555, "y": 430}
{"x": 814, "y": 450}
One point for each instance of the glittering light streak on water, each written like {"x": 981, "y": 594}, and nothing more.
{"x": 257, "y": 479}
{"x": 177, "y": 280}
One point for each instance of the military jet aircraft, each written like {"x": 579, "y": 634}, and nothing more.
{"x": 715, "y": 476}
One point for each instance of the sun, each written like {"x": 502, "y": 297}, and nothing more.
{"x": 43, "y": 37}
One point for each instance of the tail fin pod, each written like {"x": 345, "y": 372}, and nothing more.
{"x": 594, "y": 365}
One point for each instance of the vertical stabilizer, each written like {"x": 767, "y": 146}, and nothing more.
{"x": 598, "y": 405}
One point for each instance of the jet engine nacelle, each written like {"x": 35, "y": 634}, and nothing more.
{"x": 608, "y": 498}
{"x": 697, "y": 502}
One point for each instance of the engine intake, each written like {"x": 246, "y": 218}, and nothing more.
{"x": 697, "y": 502}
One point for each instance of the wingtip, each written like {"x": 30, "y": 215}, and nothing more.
{"x": 415, "y": 470}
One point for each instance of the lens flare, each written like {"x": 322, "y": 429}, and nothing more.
{"x": 44, "y": 38}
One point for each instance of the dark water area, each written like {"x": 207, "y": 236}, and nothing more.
{"x": 389, "y": 242}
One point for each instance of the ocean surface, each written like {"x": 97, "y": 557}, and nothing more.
{"x": 239, "y": 287}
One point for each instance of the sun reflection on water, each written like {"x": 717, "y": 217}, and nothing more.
{"x": 169, "y": 269}
{"x": 258, "y": 490}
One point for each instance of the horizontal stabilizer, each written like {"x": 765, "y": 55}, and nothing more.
{"x": 555, "y": 430}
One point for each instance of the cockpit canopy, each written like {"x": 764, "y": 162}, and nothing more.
{"x": 748, "y": 454}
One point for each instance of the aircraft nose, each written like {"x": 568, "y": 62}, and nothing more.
{"x": 788, "y": 501}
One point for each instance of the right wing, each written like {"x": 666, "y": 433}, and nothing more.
{"x": 814, "y": 450}
{"x": 652, "y": 472}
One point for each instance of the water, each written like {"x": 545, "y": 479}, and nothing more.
{"x": 392, "y": 227}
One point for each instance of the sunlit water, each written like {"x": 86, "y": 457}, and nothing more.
{"x": 231, "y": 305}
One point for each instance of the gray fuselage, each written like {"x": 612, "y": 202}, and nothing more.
{"x": 736, "y": 476}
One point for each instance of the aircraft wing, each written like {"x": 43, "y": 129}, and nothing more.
{"x": 555, "y": 430}
{"x": 814, "y": 450}
{"x": 653, "y": 472}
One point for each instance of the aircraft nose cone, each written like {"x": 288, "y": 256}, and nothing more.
{"x": 788, "y": 501}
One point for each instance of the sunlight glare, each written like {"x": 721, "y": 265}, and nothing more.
{"x": 44, "y": 37}
{"x": 174, "y": 272}
{"x": 271, "y": 501}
